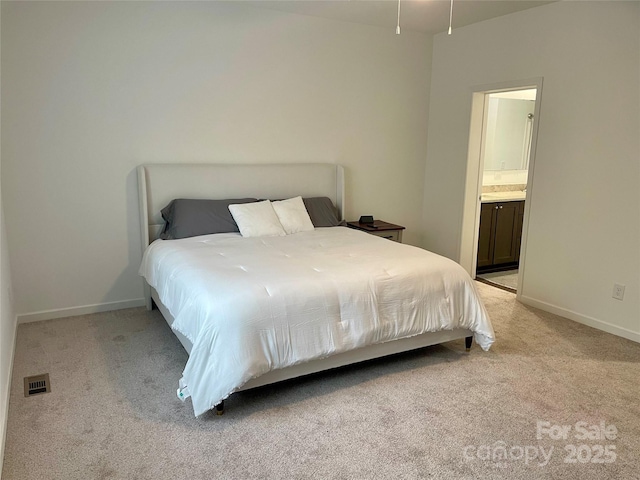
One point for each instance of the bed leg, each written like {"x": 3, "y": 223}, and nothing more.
{"x": 467, "y": 343}
{"x": 220, "y": 408}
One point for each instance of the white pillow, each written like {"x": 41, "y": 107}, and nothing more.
{"x": 293, "y": 215}
{"x": 257, "y": 219}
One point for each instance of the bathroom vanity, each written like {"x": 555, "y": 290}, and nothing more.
{"x": 501, "y": 216}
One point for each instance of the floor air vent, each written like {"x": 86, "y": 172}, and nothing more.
{"x": 36, "y": 385}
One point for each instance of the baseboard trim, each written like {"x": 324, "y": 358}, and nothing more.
{"x": 584, "y": 319}
{"x": 83, "y": 310}
{"x": 7, "y": 393}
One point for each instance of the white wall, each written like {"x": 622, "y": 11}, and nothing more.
{"x": 8, "y": 325}
{"x": 584, "y": 223}
{"x": 92, "y": 89}
{"x": 504, "y": 177}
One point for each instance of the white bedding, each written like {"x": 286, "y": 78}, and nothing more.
{"x": 251, "y": 305}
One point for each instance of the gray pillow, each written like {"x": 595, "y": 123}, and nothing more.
{"x": 190, "y": 217}
{"x": 322, "y": 212}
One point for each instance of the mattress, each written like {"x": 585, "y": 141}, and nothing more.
{"x": 252, "y": 305}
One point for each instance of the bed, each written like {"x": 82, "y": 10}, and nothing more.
{"x": 252, "y": 311}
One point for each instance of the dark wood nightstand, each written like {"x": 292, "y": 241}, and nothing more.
{"x": 380, "y": 229}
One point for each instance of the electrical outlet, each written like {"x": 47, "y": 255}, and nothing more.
{"x": 618, "y": 291}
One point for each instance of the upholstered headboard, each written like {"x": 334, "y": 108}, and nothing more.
{"x": 160, "y": 183}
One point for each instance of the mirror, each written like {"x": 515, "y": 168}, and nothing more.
{"x": 509, "y": 130}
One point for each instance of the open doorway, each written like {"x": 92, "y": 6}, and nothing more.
{"x": 502, "y": 141}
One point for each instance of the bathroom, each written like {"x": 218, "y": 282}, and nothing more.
{"x": 506, "y": 148}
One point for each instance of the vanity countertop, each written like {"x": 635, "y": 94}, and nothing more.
{"x": 503, "y": 196}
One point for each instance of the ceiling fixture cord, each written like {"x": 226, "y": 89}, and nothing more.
{"x": 450, "y": 16}
{"x": 398, "y": 25}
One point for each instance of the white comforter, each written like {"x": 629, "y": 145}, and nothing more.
{"x": 251, "y": 305}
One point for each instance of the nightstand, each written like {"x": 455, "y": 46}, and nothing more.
{"x": 384, "y": 229}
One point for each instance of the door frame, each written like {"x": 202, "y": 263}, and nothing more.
{"x": 475, "y": 163}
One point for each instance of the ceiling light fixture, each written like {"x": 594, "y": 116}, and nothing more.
{"x": 450, "y": 18}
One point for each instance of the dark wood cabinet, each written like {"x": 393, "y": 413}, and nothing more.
{"x": 486, "y": 237}
{"x": 500, "y": 235}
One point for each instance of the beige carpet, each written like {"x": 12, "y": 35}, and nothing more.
{"x": 438, "y": 413}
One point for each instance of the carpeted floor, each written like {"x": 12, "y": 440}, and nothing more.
{"x": 438, "y": 413}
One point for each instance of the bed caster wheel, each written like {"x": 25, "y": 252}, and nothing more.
{"x": 220, "y": 408}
